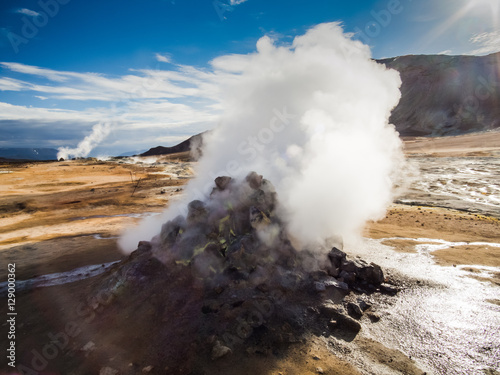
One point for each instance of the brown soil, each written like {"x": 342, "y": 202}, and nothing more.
{"x": 49, "y": 212}
{"x": 469, "y": 254}
{"x": 302, "y": 359}
{"x": 402, "y": 246}
{"x": 393, "y": 359}
{"x": 438, "y": 223}
{"x": 44, "y": 257}
{"x": 479, "y": 144}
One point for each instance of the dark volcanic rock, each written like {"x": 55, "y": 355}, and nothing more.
{"x": 348, "y": 323}
{"x": 354, "y": 310}
{"x": 222, "y": 182}
{"x": 336, "y": 257}
{"x": 355, "y": 272}
{"x": 371, "y": 274}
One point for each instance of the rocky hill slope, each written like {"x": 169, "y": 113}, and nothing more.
{"x": 447, "y": 95}
{"x": 192, "y": 144}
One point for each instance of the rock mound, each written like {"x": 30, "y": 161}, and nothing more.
{"x": 226, "y": 278}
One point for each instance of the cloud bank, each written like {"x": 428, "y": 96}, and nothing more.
{"x": 158, "y": 105}
{"x": 487, "y": 42}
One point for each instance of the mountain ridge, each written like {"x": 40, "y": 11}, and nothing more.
{"x": 28, "y": 153}
{"x": 446, "y": 95}
{"x": 192, "y": 144}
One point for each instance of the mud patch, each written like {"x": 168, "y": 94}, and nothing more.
{"x": 394, "y": 359}
{"x": 469, "y": 254}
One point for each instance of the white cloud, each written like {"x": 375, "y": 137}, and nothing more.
{"x": 486, "y": 43}
{"x": 11, "y": 84}
{"x": 142, "y": 84}
{"x": 146, "y": 107}
{"x": 136, "y": 126}
{"x": 445, "y": 52}
{"x": 34, "y": 70}
{"x": 163, "y": 58}
{"x": 142, "y": 105}
{"x": 43, "y": 115}
{"x": 237, "y": 2}
{"x": 136, "y": 116}
{"x": 28, "y": 12}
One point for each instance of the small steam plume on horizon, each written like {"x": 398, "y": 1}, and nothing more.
{"x": 313, "y": 118}
{"x": 83, "y": 149}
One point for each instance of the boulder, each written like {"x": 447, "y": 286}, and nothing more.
{"x": 197, "y": 212}
{"x": 347, "y": 323}
{"x": 171, "y": 229}
{"x": 371, "y": 274}
{"x": 254, "y": 180}
{"x": 332, "y": 282}
{"x": 229, "y": 271}
{"x": 336, "y": 257}
{"x": 389, "y": 289}
{"x": 354, "y": 310}
{"x": 352, "y": 265}
{"x": 330, "y": 310}
{"x": 222, "y": 182}
{"x": 348, "y": 277}
{"x": 374, "y": 317}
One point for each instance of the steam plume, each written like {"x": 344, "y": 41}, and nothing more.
{"x": 99, "y": 132}
{"x": 312, "y": 117}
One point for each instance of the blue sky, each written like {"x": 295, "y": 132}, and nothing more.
{"x": 65, "y": 65}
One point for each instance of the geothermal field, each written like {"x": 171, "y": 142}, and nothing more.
{"x": 87, "y": 308}
{"x": 304, "y": 236}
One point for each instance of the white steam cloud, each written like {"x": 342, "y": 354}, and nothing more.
{"x": 99, "y": 132}
{"x": 313, "y": 118}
